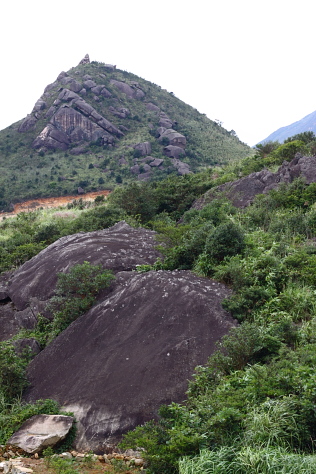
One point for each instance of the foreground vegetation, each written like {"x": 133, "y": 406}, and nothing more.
{"x": 252, "y": 408}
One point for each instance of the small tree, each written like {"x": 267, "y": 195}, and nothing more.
{"x": 76, "y": 292}
{"x": 226, "y": 240}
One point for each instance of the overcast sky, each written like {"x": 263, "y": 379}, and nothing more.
{"x": 248, "y": 63}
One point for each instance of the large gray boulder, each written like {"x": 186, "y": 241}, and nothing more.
{"x": 182, "y": 168}
{"x": 12, "y": 321}
{"x": 40, "y": 432}
{"x": 144, "y": 148}
{"x": 131, "y": 91}
{"x": 136, "y": 349}
{"x": 174, "y": 151}
{"x": 27, "y": 124}
{"x": 175, "y": 138}
{"x": 117, "y": 248}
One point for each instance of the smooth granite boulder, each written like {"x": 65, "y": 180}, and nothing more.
{"x": 133, "y": 351}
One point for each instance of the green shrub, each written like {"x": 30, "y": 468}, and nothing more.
{"x": 12, "y": 371}
{"x": 226, "y": 240}
{"x": 76, "y": 292}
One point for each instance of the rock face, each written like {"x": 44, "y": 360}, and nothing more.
{"x": 85, "y": 60}
{"x": 243, "y": 191}
{"x": 74, "y": 122}
{"x": 114, "y": 366}
{"x": 174, "y": 138}
{"x": 132, "y": 91}
{"x": 11, "y": 320}
{"x": 41, "y": 431}
{"x": 144, "y": 148}
{"x": 118, "y": 248}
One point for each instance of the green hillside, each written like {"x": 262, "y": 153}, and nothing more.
{"x": 252, "y": 408}
{"x": 29, "y": 170}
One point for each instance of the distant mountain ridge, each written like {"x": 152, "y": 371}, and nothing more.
{"x": 306, "y": 124}
{"x": 96, "y": 127}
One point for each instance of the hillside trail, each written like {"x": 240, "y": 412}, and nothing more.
{"x": 51, "y": 202}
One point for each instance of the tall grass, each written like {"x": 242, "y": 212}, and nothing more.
{"x": 248, "y": 461}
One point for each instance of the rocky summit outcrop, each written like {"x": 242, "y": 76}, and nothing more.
{"x": 40, "y": 432}
{"x": 73, "y": 122}
{"x": 114, "y": 366}
{"x": 243, "y": 191}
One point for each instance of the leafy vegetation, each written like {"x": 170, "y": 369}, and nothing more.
{"x": 76, "y": 292}
{"x": 252, "y": 407}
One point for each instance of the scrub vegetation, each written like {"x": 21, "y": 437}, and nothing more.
{"x": 252, "y": 407}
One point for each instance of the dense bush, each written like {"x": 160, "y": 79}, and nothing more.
{"x": 75, "y": 293}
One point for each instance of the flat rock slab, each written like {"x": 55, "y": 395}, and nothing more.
{"x": 135, "y": 350}
{"x": 117, "y": 248}
{"x": 41, "y": 431}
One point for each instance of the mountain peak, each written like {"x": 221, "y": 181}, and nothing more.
{"x": 85, "y": 60}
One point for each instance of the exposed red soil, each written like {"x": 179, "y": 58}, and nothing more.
{"x": 50, "y": 202}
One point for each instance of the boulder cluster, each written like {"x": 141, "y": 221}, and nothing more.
{"x": 134, "y": 350}
{"x": 243, "y": 191}
{"x": 68, "y": 109}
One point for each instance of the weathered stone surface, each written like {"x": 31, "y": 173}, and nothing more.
{"x": 118, "y": 248}
{"x": 115, "y": 365}
{"x": 106, "y": 93}
{"x": 27, "y": 124}
{"x": 145, "y": 176}
{"x": 73, "y": 123}
{"x": 152, "y": 107}
{"x": 75, "y": 86}
{"x": 3, "y": 293}
{"x": 85, "y": 60}
{"x": 165, "y": 121}
{"x": 50, "y": 137}
{"x": 110, "y": 67}
{"x": 61, "y": 76}
{"x": 156, "y": 162}
{"x": 129, "y": 91}
{"x": 67, "y": 80}
{"x": 242, "y": 191}
{"x": 39, "y": 105}
{"x": 182, "y": 168}
{"x": 41, "y": 431}
{"x": 173, "y": 151}
{"x": 78, "y": 150}
{"x": 135, "y": 169}
{"x": 67, "y": 95}
{"x": 144, "y": 148}
{"x": 89, "y": 84}
{"x": 49, "y": 87}
{"x": 50, "y": 112}
{"x": 121, "y": 112}
{"x": 175, "y": 138}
